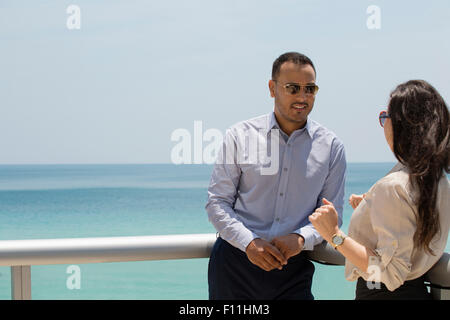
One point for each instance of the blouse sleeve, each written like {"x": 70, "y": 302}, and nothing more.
{"x": 394, "y": 222}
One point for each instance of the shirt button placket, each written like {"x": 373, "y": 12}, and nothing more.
{"x": 279, "y": 206}
{"x": 282, "y": 186}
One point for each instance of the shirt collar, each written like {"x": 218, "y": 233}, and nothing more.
{"x": 273, "y": 124}
{"x": 398, "y": 167}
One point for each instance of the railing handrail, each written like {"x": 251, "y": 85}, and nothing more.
{"x": 104, "y": 249}
{"x": 158, "y": 247}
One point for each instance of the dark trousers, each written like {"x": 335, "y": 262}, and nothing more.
{"x": 231, "y": 276}
{"x": 409, "y": 290}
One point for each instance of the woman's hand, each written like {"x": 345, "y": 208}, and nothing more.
{"x": 355, "y": 199}
{"x": 325, "y": 220}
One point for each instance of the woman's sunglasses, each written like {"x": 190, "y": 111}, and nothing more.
{"x": 382, "y": 117}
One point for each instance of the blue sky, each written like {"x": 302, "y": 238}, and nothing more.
{"x": 115, "y": 90}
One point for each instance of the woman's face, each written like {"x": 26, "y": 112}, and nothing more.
{"x": 389, "y": 134}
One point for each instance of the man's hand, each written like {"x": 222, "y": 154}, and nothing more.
{"x": 289, "y": 245}
{"x": 355, "y": 199}
{"x": 265, "y": 255}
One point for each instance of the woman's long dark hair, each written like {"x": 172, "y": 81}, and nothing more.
{"x": 421, "y": 138}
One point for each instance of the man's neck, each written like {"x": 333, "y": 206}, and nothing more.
{"x": 287, "y": 126}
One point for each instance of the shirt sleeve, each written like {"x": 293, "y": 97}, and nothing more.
{"x": 333, "y": 190}
{"x": 222, "y": 193}
{"x": 394, "y": 222}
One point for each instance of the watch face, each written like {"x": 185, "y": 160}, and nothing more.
{"x": 337, "y": 240}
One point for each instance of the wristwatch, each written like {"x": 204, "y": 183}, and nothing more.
{"x": 337, "y": 240}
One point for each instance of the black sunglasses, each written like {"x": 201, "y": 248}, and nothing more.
{"x": 294, "y": 88}
{"x": 382, "y": 117}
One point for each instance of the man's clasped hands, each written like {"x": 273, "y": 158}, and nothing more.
{"x": 276, "y": 253}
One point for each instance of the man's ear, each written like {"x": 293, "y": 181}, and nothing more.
{"x": 272, "y": 88}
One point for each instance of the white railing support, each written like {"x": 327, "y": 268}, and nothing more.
{"x": 439, "y": 275}
{"x": 21, "y": 282}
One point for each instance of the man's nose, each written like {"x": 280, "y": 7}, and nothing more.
{"x": 302, "y": 94}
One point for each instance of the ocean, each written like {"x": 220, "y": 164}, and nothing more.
{"x": 72, "y": 201}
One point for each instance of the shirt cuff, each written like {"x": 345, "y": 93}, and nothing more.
{"x": 244, "y": 243}
{"x": 240, "y": 240}
{"x": 310, "y": 236}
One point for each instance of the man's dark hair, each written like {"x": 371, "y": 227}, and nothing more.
{"x": 294, "y": 57}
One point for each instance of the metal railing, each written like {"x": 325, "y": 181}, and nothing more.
{"x": 20, "y": 255}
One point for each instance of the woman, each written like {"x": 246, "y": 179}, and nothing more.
{"x": 400, "y": 227}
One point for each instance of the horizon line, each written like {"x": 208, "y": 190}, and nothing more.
{"x": 141, "y": 163}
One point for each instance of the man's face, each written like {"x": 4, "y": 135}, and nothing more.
{"x": 292, "y": 110}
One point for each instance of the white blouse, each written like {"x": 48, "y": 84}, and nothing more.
{"x": 385, "y": 222}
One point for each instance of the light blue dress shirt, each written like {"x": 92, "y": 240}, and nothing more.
{"x": 245, "y": 203}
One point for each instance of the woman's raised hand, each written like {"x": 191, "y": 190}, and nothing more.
{"x": 355, "y": 199}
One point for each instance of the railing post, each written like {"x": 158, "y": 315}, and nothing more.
{"x": 440, "y": 294}
{"x": 445, "y": 294}
{"x": 21, "y": 282}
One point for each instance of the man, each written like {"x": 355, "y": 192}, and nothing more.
{"x": 262, "y": 218}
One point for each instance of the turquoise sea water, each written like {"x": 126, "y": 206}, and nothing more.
{"x": 70, "y": 201}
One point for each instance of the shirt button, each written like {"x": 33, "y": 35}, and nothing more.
{"x": 285, "y": 169}
{"x": 281, "y": 194}
{"x": 277, "y": 219}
